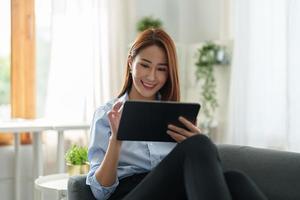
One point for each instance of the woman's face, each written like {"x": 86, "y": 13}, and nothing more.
{"x": 149, "y": 71}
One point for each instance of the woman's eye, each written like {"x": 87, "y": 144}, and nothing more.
{"x": 144, "y": 65}
{"x": 162, "y": 69}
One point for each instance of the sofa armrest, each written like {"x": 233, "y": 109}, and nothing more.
{"x": 275, "y": 172}
{"x": 78, "y": 189}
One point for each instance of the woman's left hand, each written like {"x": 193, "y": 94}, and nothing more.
{"x": 180, "y": 134}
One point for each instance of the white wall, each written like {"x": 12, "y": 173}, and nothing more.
{"x": 189, "y": 21}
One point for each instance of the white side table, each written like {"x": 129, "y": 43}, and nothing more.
{"x": 56, "y": 182}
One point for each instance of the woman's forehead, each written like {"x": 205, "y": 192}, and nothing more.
{"x": 152, "y": 53}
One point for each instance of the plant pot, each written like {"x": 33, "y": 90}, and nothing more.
{"x": 77, "y": 169}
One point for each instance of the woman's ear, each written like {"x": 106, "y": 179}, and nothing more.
{"x": 130, "y": 60}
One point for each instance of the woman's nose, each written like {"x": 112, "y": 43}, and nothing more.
{"x": 152, "y": 74}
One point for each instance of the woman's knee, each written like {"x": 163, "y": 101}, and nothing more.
{"x": 196, "y": 142}
{"x": 198, "y": 145}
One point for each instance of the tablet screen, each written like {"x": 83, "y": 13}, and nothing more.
{"x": 148, "y": 120}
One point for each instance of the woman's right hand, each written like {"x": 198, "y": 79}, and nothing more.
{"x": 114, "y": 117}
{"x": 107, "y": 172}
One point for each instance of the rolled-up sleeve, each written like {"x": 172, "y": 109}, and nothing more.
{"x": 99, "y": 137}
{"x": 101, "y": 192}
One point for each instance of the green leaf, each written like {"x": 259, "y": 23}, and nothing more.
{"x": 148, "y": 22}
{"x": 77, "y": 155}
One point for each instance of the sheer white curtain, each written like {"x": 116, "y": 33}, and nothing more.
{"x": 263, "y": 108}
{"x": 293, "y": 75}
{"x": 86, "y": 52}
{"x": 114, "y": 45}
{"x": 88, "y": 46}
{"x": 74, "y": 49}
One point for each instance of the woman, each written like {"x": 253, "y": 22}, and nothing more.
{"x": 129, "y": 170}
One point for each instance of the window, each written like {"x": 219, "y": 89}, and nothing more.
{"x": 5, "y": 27}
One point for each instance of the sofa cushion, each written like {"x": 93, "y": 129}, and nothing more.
{"x": 276, "y": 173}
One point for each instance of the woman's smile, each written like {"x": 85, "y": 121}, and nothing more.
{"x": 148, "y": 86}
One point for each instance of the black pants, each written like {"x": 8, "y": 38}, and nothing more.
{"x": 192, "y": 171}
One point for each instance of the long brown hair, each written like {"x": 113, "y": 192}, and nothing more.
{"x": 171, "y": 90}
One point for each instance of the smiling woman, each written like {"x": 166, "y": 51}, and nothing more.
{"x": 122, "y": 169}
{"x": 159, "y": 59}
{"x": 151, "y": 60}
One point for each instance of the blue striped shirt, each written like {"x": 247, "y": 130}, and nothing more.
{"x": 135, "y": 156}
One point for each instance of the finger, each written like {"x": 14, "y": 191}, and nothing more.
{"x": 110, "y": 114}
{"x": 117, "y": 106}
{"x": 189, "y": 125}
{"x": 179, "y": 130}
{"x": 177, "y": 137}
{"x": 110, "y": 117}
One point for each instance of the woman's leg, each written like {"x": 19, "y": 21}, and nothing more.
{"x": 191, "y": 171}
{"x": 242, "y": 187}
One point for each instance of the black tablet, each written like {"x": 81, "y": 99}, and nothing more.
{"x": 148, "y": 120}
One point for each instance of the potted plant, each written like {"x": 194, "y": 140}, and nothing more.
{"x": 148, "y": 22}
{"x": 210, "y": 54}
{"x": 77, "y": 160}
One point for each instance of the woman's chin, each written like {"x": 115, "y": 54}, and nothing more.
{"x": 148, "y": 95}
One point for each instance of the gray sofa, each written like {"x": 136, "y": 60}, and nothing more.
{"x": 277, "y": 173}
